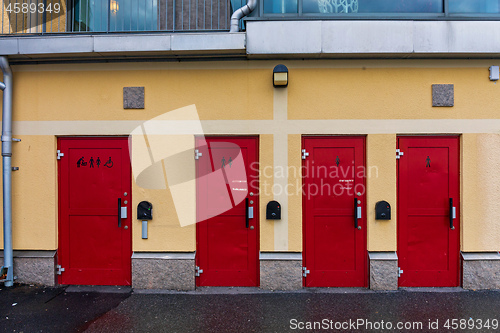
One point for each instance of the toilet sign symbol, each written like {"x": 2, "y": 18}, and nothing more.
{"x": 91, "y": 162}
{"x": 337, "y": 161}
{"x": 223, "y": 162}
{"x": 81, "y": 162}
{"x": 109, "y": 163}
{"x": 230, "y": 161}
{"x": 428, "y": 160}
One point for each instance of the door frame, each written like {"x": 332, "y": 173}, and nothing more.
{"x": 363, "y": 205}
{"x": 256, "y": 199}
{"x": 458, "y": 222}
{"x": 59, "y": 184}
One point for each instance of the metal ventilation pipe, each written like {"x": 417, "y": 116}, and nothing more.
{"x": 238, "y": 14}
{"x": 6, "y": 86}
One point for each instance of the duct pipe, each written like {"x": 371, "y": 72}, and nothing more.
{"x": 7, "y": 170}
{"x": 238, "y": 14}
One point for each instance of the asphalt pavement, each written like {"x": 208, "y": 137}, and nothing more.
{"x": 113, "y": 309}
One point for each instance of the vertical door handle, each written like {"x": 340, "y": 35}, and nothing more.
{"x": 247, "y": 218}
{"x": 119, "y": 212}
{"x": 453, "y": 214}
{"x": 356, "y": 213}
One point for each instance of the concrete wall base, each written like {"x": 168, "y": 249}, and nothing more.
{"x": 34, "y": 267}
{"x": 280, "y": 271}
{"x": 481, "y": 270}
{"x": 383, "y": 270}
{"x": 174, "y": 271}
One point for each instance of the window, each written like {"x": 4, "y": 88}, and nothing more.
{"x": 280, "y": 6}
{"x": 372, "y": 6}
{"x": 379, "y": 8}
{"x": 474, "y": 6}
{"x": 115, "y": 15}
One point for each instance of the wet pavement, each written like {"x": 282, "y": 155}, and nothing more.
{"x": 76, "y": 309}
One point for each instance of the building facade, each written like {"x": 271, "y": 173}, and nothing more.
{"x": 166, "y": 152}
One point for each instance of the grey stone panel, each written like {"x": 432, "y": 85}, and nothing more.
{"x": 131, "y": 43}
{"x": 443, "y": 95}
{"x": 58, "y": 44}
{"x": 481, "y": 274}
{"x": 35, "y": 270}
{"x": 163, "y": 274}
{"x": 383, "y": 274}
{"x": 281, "y": 274}
{"x": 383, "y": 270}
{"x": 133, "y": 97}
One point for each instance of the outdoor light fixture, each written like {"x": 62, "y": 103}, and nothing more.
{"x": 280, "y": 76}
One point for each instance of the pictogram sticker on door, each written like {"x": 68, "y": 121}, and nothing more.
{"x": 95, "y": 244}
{"x": 227, "y": 236}
{"x": 334, "y": 215}
{"x": 428, "y": 211}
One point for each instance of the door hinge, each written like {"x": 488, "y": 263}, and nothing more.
{"x": 59, "y": 269}
{"x": 59, "y": 154}
{"x": 400, "y": 271}
{"x": 399, "y": 153}
{"x": 198, "y": 271}
{"x": 305, "y": 271}
{"x": 197, "y": 154}
{"x": 304, "y": 154}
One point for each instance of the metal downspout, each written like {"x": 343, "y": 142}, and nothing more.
{"x": 238, "y": 14}
{"x": 6, "y": 86}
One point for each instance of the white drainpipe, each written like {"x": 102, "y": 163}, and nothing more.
{"x": 7, "y": 87}
{"x": 238, "y": 14}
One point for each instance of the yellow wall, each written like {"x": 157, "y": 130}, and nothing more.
{"x": 390, "y": 93}
{"x": 381, "y": 185}
{"x": 217, "y": 94}
{"x": 241, "y": 91}
{"x": 164, "y": 232}
{"x": 34, "y": 193}
{"x": 266, "y": 195}
{"x": 480, "y": 192}
{"x": 295, "y": 199}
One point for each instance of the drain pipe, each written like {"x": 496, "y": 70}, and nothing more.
{"x": 238, "y": 14}
{"x": 6, "y": 86}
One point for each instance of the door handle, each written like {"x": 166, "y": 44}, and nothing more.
{"x": 356, "y": 213}
{"x": 247, "y": 217}
{"x": 119, "y": 212}
{"x": 453, "y": 214}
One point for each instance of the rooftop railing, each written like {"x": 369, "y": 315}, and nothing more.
{"x": 103, "y": 16}
{"x": 109, "y": 16}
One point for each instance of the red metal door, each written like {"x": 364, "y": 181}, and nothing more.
{"x": 94, "y": 174}
{"x": 227, "y": 182}
{"x": 428, "y": 241}
{"x": 334, "y": 240}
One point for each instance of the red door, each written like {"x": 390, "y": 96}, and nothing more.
{"x": 227, "y": 193}
{"x": 334, "y": 212}
{"x": 428, "y": 189}
{"x": 95, "y": 246}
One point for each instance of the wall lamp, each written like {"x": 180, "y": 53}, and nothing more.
{"x": 280, "y": 76}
